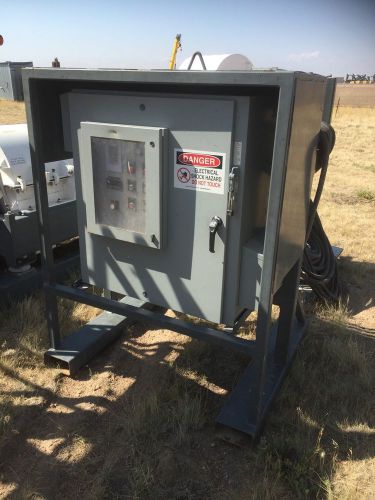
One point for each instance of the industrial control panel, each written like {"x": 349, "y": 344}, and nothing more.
{"x": 121, "y": 169}
{"x": 151, "y": 182}
{"x": 172, "y": 195}
{"x": 193, "y": 193}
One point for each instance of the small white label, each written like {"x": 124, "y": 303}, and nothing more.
{"x": 199, "y": 170}
{"x": 237, "y": 153}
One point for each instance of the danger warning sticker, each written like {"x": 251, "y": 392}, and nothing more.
{"x": 199, "y": 170}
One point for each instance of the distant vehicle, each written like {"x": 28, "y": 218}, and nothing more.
{"x": 359, "y": 78}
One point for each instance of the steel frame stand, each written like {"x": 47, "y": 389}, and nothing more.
{"x": 272, "y": 351}
{"x": 271, "y": 354}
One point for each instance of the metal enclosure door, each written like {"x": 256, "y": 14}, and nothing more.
{"x": 121, "y": 166}
{"x": 183, "y": 274}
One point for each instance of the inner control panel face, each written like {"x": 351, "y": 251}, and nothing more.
{"x": 122, "y": 181}
{"x": 171, "y": 266}
{"x": 119, "y": 183}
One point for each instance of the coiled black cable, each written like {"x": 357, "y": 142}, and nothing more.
{"x": 319, "y": 266}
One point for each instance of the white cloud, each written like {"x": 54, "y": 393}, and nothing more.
{"x": 304, "y": 56}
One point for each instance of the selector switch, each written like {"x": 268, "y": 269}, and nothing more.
{"x": 131, "y": 168}
{"x": 132, "y": 204}
{"x": 114, "y": 205}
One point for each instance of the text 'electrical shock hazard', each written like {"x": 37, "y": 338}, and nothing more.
{"x": 199, "y": 170}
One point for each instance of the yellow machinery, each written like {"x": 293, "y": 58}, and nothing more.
{"x": 176, "y": 46}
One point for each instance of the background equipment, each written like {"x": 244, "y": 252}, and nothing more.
{"x": 176, "y": 46}
{"x": 19, "y": 240}
{"x": 11, "y": 80}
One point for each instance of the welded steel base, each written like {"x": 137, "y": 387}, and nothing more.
{"x": 271, "y": 353}
{"x": 77, "y": 349}
{"x": 241, "y": 409}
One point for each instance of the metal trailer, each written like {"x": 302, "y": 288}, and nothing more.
{"x": 19, "y": 240}
{"x": 11, "y": 80}
{"x": 216, "y": 251}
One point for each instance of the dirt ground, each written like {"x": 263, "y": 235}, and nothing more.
{"x": 138, "y": 421}
{"x": 355, "y": 95}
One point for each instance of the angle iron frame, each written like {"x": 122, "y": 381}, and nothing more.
{"x": 272, "y": 351}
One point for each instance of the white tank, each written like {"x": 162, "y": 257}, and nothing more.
{"x": 16, "y": 178}
{"x": 219, "y": 62}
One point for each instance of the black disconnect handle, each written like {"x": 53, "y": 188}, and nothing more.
{"x": 214, "y": 225}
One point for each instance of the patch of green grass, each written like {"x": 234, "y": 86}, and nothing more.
{"x": 369, "y": 168}
{"x": 366, "y": 194}
{"x": 5, "y": 414}
{"x": 336, "y": 314}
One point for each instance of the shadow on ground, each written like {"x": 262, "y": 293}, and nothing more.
{"x": 139, "y": 422}
{"x": 360, "y": 280}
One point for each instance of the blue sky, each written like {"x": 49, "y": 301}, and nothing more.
{"x": 324, "y": 36}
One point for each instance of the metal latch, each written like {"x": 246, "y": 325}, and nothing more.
{"x": 232, "y": 189}
{"x": 214, "y": 225}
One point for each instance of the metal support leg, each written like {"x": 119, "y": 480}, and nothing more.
{"x": 249, "y": 401}
{"x": 52, "y": 315}
{"x": 286, "y": 300}
{"x": 41, "y": 201}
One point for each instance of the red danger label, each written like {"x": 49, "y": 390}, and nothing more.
{"x": 199, "y": 159}
{"x": 199, "y": 170}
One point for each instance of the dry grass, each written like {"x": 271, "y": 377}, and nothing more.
{"x": 355, "y": 95}
{"x": 12, "y": 112}
{"x": 347, "y": 215}
{"x": 138, "y": 422}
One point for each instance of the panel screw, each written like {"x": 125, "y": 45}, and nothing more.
{"x": 142, "y": 107}
{"x": 152, "y": 144}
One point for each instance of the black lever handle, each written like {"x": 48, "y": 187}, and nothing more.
{"x": 214, "y": 225}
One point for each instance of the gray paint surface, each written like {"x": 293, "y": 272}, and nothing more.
{"x": 11, "y": 80}
{"x": 184, "y": 275}
{"x": 305, "y": 125}
{"x": 136, "y": 178}
{"x": 270, "y": 218}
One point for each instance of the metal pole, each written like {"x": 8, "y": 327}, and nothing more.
{"x": 275, "y": 204}
{"x": 41, "y": 202}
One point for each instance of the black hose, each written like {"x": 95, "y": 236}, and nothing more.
{"x": 319, "y": 266}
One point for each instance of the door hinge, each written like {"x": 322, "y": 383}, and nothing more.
{"x": 232, "y": 189}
